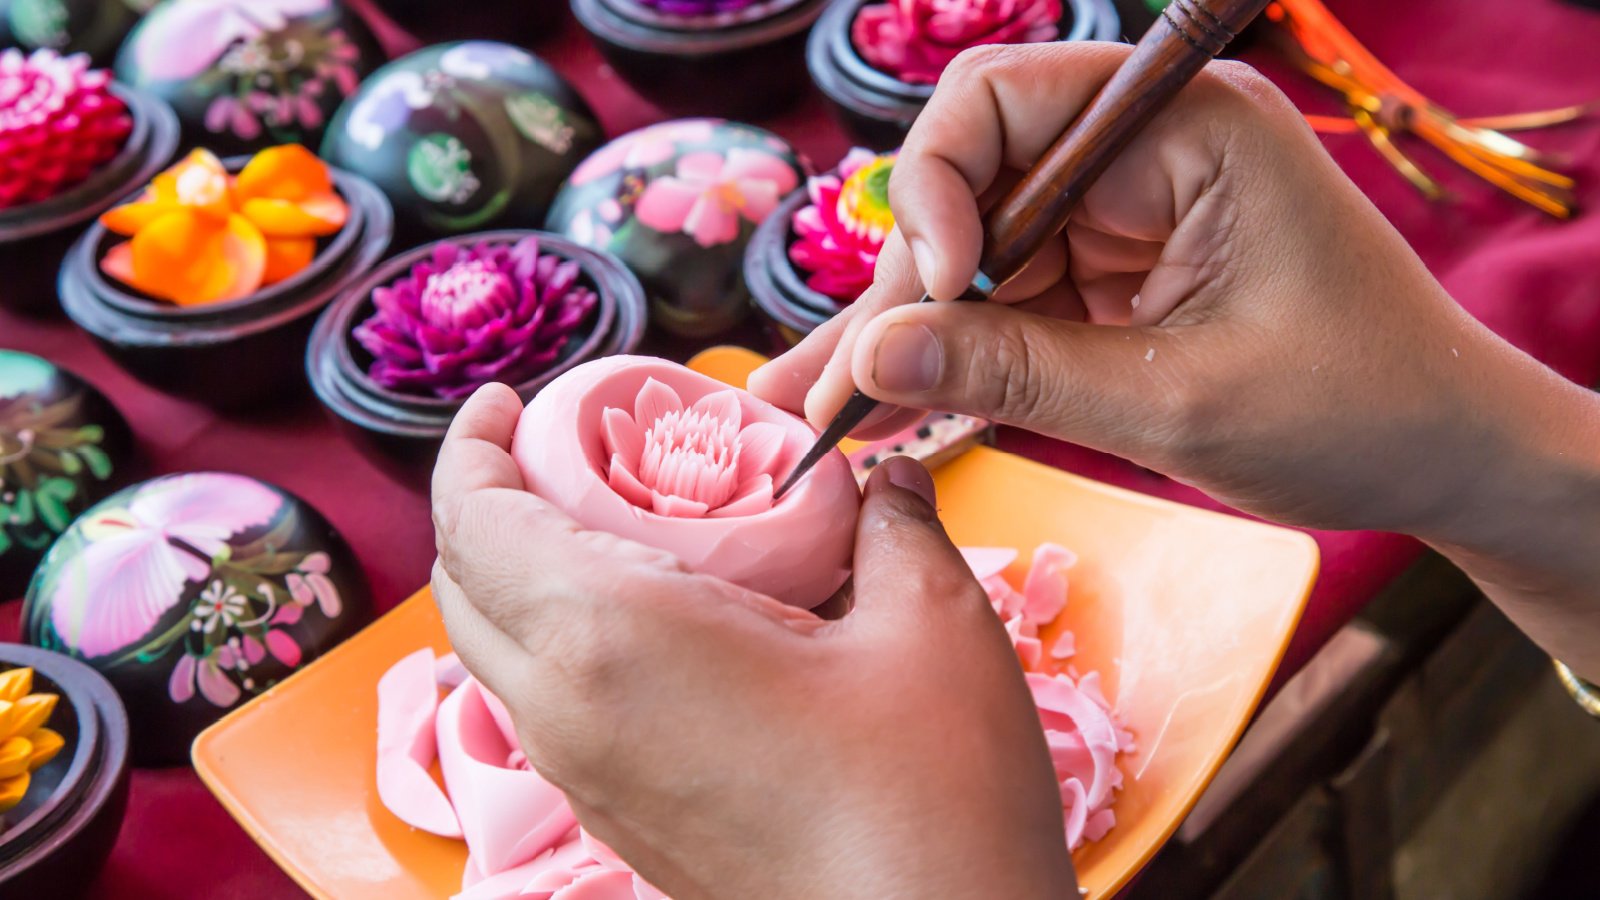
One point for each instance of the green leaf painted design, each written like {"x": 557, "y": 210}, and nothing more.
{"x": 40, "y": 23}
{"x": 71, "y": 464}
{"x": 439, "y": 168}
{"x": 96, "y": 459}
{"x": 52, "y": 508}
{"x": 541, "y": 120}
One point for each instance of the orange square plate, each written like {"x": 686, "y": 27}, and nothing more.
{"x": 1184, "y": 612}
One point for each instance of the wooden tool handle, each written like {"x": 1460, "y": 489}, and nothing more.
{"x": 1186, "y": 36}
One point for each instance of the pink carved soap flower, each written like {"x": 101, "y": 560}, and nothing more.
{"x": 708, "y": 194}
{"x": 914, "y": 40}
{"x": 59, "y": 122}
{"x": 843, "y": 228}
{"x": 467, "y": 316}
{"x": 691, "y": 461}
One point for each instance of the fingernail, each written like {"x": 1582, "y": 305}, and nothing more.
{"x": 908, "y": 359}
{"x": 927, "y": 261}
{"x": 908, "y": 474}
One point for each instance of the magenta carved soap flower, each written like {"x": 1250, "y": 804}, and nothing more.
{"x": 914, "y": 40}
{"x": 59, "y": 122}
{"x": 843, "y": 228}
{"x": 468, "y": 316}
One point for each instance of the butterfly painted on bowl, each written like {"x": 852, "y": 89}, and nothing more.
{"x": 190, "y": 592}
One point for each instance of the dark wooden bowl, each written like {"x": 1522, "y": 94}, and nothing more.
{"x": 878, "y": 108}
{"x": 35, "y": 237}
{"x": 739, "y": 65}
{"x": 229, "y": 354}
{"x": 789, "y": 310}
{"x": 401, "y": 432}
{"x": 55, "y": 842}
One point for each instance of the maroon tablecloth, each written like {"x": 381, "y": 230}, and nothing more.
{"x": 1534, "y": 280}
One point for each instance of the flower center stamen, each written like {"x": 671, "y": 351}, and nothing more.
{"x": 466, "y": 295}
{"x": 692, "y": 455}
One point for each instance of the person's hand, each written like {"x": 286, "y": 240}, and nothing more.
{"x": 1227, "y": 308}
{"x": 727, "y": 745}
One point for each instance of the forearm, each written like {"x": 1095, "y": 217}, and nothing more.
{"x": 1528, "y": 527}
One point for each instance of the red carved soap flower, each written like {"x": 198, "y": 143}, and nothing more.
{"x": 843, "y": 228}
{"x": 59, "y": 122}
{"x": 914, "y": 40}
{"x": 471, "y": 315}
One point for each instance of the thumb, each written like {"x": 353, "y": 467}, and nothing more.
{"x": 1107, "y": 387}
{"x": 905, "y": 564}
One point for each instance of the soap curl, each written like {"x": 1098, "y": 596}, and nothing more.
{"x": 651, "y": 451}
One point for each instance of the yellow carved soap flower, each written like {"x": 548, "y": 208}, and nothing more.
{"x": 202, "y": 236}
{"x": 25, "y": 744}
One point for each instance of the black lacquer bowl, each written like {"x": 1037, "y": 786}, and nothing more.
{"x": 878, "y": 108}
{"x": 742, "y": 64}
{"x": 789, "y": 309}
{"x": 230, "y": 354}
{"x": 401, "y": 432}
{"x": 35, "y": 237}
{"x": 55, "y": 842}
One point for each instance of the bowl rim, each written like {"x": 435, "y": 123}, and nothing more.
{"x": 765, "y": 260}
{"x": 649, "y": 17}
{"x": 149, "y": 146}
{"x": 102, "y": 716}
{"x": 610, "y": 23}
{"x": 349, "y": 392}
{"x": 248, "y": 316}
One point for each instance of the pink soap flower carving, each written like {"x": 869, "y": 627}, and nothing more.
{"x": 708, "y": 195}
{"x": 467, "y": 316}
{"x": 691, "y": 461}
{"x": 650, "y": 451}
{"x": 59, "y": 122}
{"x": 842, "y": 230}
{"x": 914, "y": 40}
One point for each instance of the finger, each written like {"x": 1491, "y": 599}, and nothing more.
{"x": 1112, "y": 388}
{"x": 906, "y": 568}
{"x": 476, "y": 453}
{"x": 785, "y": 381}
{"x": 995, "y": 106}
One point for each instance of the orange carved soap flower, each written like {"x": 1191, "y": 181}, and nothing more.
{"x": 25, "y": 744}
{"x": 199, "y": 235}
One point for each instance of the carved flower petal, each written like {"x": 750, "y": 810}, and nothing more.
{"x": 720, "y": 405}
{"x": 289, "y": 172}
{"x": 756, "y": 497}
{"x": 128, "y": 218}
{"x": 622, "y": 480}
{"x": 654, "y": 401}
{"x": 191, "y": 259}
{"x": 287, "y": 257}
{"x": 677, "y": 507}
{"x": 760, "y": 445}
{"x": 622, "y": 438}
{"x": 286, "y": 218}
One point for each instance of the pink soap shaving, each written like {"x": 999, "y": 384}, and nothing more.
{"x": 524, "y": 841}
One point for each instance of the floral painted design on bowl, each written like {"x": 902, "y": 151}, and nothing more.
{"x": 678, "y": 202}
{"x": 62, "y": 445}
{"x": 245, "y": 74}
{"x": 464, "y": 137}
{"x": 192, "y": 592}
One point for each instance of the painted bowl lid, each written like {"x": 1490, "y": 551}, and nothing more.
{"x": 62, "y": 447}
{"x": 677, "y": 202}
{"x": 191, "y": 593}
{"x": 464, "y": 137}
{"x": 248, "y": 74}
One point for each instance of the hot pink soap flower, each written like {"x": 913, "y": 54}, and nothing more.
{"x": 650, "y": 451}
{"x": 471, "y": 315}
{"x": 914, "y": 40}
{"x": 59, "y": 122}
{"x": 841, "y": 231}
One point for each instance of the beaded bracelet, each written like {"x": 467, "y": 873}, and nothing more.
{"x": 1586, "y": 694}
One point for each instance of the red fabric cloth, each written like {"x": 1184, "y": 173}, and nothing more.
{"x": 1534, "y": 280}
